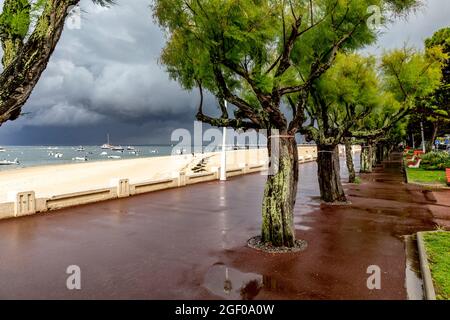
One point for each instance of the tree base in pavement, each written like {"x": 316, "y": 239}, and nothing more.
{"x": 258, "y": 244}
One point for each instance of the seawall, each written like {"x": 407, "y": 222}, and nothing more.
{"x": 40, "y": 189}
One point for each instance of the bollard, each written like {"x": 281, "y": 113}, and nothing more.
{"x": 123, "y": 188}
{"x": 182, "y": 179}
{"x": 25, "y": 203}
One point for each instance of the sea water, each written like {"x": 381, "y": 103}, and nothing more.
{"x": 28, "y": 156}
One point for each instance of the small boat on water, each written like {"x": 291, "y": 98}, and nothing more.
{"x": 2, "y": 149}
{"x": 106, "y": 145}
{"x": 8, "y": 162}
{"x": 109, "y": 146}
{"x": 104, "y": 153}
{"x": 80, "y": 148}
{"x": 114, "y": 157}
{"x": 130, "y": 148}
{"x": 180, "y": 151}
{"x": 80, "y": 159}
{"x": 117, "y": 148}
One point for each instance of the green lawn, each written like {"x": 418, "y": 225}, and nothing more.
{"x": 426, "y": 176}
{"x": 438, "y": 249}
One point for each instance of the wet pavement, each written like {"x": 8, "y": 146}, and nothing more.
{"x": 190, "y": 243}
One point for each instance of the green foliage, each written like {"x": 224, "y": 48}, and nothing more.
{"x": 433, "y": 110}
{"x": 437, "y": 104}
{"x": 352, "y": 80}
{"x": 15, "y": 18}
{"x": 405, "y": 76}
{"x": 440, "y": 38}
{"x": 435, "y": 161}
{"x": 347, "y": 93}
{"x": 409, "y": 74}
{"x": 18, "y": 16}
{"x": 254, "y": 52}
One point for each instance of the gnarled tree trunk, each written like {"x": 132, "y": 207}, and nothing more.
{"x": 280, "y": 193}
{"x": 328, "y": 172}
{"x": 386, "y": 151}
{"x": 374, "y": 156}
{"x": 20, "y": 77}
{"x": 349, "y": 161}
{"x": 380, "y": 152}
{"x": 15, "y": 21}
{"x": 366, "y": 158}
{"x": 429, "y": 145}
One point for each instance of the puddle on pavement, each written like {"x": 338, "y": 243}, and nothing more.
{"x": 413, "y": 279}
{"x": 302, "y": 227}
{"x": 230, "y": 283}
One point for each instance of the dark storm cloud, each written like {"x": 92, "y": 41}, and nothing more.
{"x": 105, "y": 77}
{"x": 415, "y": 28}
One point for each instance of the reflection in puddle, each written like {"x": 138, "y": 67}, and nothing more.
{"x": 233, "y": 284}
{"x": 230, "y": 283}
{"x": 302, "y": 227}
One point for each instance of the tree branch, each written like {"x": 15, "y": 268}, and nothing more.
{"x": 224, "y": 121}
{"x": 21, "y": 76}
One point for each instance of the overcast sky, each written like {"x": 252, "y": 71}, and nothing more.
{"x": 105, "y": 77}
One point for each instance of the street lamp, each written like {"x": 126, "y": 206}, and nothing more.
{"x": 223, "y": 155}
{"x": 423, "y": 136}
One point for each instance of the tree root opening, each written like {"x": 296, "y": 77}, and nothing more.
{"x": 257, "y": 244}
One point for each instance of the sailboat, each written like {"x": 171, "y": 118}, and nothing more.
{"x": 107, "y": 145}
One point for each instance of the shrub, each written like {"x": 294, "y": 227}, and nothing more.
{"x": 435, "y": 161}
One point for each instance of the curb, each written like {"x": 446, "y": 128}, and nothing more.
{"x": 428, "y": 287}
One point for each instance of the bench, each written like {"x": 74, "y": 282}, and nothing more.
{"x": 447, "y": 175}
{"x": 414, "y": 165}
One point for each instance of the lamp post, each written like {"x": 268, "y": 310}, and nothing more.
{"x": 423, "y": 136}
{"x": 223, "y": 155}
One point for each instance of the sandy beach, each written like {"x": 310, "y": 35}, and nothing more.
{"x": 50, "y": 180}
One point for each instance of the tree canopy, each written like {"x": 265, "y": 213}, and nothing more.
{"x": 345, "y": 95}
{"x": 256, "y": 53}
{"x": 406, "y": 75}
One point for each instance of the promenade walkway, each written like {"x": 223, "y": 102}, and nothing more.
{"x": 190, "y": 243}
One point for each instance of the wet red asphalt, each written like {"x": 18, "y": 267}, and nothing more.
{"x": 182, "y": 243}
